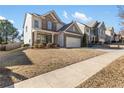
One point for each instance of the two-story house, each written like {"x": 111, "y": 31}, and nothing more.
{"x": 48, "y": 28}
{"x": 110, "y": 34}
{"x": 97, "y": 31}
{"x": 86, "y": 30}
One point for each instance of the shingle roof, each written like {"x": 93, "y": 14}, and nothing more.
{"x": 52, "y": 12}
{"x": 99, "y": 25}
{"x": 35, "y": 14}
{"x": 81, "y": 26}
{"x": 109, "y": 28}
{"x": 122, "y": 33}
{"x": 91, "y": 23}
{"x": 65, "y": 27}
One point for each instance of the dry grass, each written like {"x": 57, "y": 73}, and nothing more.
{"x": 109, "y": 77}
{"x": 33, "y": 62}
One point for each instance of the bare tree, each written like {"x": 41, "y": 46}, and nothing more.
{"x": 121, "y": 15}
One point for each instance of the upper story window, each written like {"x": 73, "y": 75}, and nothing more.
{"x": 36, "y": 24}
{"x": 26, "y": 28}
{"x": 87, "y": 30}
{"x": 49, "y": 25}
{"x": 74, "y": 29}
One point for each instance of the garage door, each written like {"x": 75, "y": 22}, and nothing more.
{"x": 73, "y": 42}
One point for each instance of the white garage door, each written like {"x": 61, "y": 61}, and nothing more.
{"x": 73, "y": 42}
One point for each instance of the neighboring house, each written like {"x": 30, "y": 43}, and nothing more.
{"x": 86, "y": 30}
{"x": 110, "y": 34}
{"x": 121, "y": 36}
{"x": 48, "y": 28}
{"x": 122, "y": 33}
{"x": 97, "y": 31}
{"x": 118, "y": 37}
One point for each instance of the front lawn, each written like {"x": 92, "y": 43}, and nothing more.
{"x": 21, "y": 65}
{"x": 110, "y": 77}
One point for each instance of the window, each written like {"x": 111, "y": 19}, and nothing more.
{"x": 26, "y": 29}
{"x": 49, "y": 25}
{"x": 74, "y": 29}
{"x": 87, "y": 30}
{"x": 44, "y": 39}
{"x": 36, "y": 24}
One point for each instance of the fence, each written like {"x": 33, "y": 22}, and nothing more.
{"x": 8, "y": 47}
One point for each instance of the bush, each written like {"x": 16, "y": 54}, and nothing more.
{"x": 84, "y": 41}
{"x": 44, "y": 44}
{"x": 25, "y": 45}
{"x": 2, "y": 48}
{"x": 56, "y": 45}
{"x": 13, "y": 46}
{"x": 52, "y": 45}
{"x": 35, "y": 45}
{"x": 7, "y": 47}
{"x": 4, "y": 70}
{"x": 49, "y": 45}
{"x": 41, "y": 45}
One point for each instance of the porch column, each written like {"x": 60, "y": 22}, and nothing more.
{"x": 52, "y": 38}
{"x": 35, "y": 37}
{"x": 94, "y": 39}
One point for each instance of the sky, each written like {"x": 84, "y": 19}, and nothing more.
{"x": 67, "y": 13}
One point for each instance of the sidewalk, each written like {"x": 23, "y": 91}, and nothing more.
{"x": 71, "y": 76}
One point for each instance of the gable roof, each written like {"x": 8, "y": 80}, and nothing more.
{"x": 110, "y": 28}
{"x": 25, "y": 18}
{"x": 92, "y": 23}
{"x": 100, "y": 24}
{"x": 65, "y": 26}
{"x": 54, "y": 14}
{"x": 38, "y": 15}
{"x": 81, "y": 26}
{"x": 121, "y": 33}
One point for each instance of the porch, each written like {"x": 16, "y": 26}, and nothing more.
{"x": 44, "y": 37}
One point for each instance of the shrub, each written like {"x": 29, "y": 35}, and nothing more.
{"x": 41, "y": 45}
{"x": 2, "y": 48}
{"x": 35, "y": 46}
{"x": 49, "y": 45}
{"x": 4, "y": 43}
{"x": 11, "y": 46}
{"x": 25, "y": 45}
{"x": 56, "y": 46}
{"x": 44, "y": 44}
{"x": 84, "y": 41}
{"x": 4, "y": 70}
{"x": 52, "y": 45}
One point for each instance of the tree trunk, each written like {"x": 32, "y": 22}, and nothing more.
{"x": 6, "y": 37}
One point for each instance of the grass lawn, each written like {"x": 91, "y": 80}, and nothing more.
{"x": 20, "y": 65}
{"x": 109, "y": 77}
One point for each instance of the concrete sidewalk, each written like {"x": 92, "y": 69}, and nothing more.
{"x": 71, "y": 76}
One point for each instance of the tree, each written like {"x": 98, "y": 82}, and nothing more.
{"x": 7, "y": 30}
{"x": 84, "y": 41}
{"x": 121, "y": 16}
{"x": 15, "y": 35}
{"x": 20, "y": 38}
